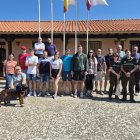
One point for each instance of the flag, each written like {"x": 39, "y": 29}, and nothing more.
{"x": 99, "y": 2}
{"x": 66, "y": 5}
{"x": 88, "y": 4}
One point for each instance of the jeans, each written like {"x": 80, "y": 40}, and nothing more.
{"x": 8, "y": 80}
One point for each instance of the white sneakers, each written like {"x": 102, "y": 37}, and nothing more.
{"x": 81, "y": 95}
{"x": 30, "y": 94}
{"x": 34, "y": 94}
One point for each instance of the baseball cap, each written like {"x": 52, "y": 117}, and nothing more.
{"x": 23, "y": 47}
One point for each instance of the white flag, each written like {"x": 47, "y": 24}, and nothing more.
{"x": 99, "y": 2}
{"x": 72, "y": 2}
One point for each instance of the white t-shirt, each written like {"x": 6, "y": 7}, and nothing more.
{"x": 39, "y": 46}
{"x": 56, "y": 63}
{"x": 31, "y": 59}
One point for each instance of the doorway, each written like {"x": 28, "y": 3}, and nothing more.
{"x": 2, "y": 56}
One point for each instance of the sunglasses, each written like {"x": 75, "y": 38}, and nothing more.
{"x": 90, "y": 52}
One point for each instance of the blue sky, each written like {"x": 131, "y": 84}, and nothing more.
{"x": 28, "y": 10}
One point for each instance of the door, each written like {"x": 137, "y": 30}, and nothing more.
{"x": 2, "y": 56}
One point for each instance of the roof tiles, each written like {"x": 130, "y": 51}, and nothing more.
{"x": 95, "y": 26}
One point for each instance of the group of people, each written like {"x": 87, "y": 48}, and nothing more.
{"x": 44, "y": 61}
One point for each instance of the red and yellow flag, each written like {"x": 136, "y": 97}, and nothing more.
{"x": 66, "y": 5}
{"x": 88, "y": 4}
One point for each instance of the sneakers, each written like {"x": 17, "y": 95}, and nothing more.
{"x": 71, "y": 94}
{"x": 34, "y": 94}
{"x": 47, "y": 93}
{"x": 101, "y": 92}
{"x": 136, "y": 94}
{"x": 132, "y": 101}
{"x": 29, "y": 94}
{"x": 54, "y": 97}
{"x": 40, "y": 93}
{"x": 81, "y": 95}
{"x": 75, "y": 95}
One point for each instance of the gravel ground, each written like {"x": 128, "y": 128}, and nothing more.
{"x": 66, "y": 118}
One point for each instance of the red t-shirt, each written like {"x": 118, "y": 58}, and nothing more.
{"x": 22, "y": 59}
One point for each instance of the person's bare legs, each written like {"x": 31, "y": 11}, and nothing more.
{"x": 30, "y": 86}
{"x": 64, "y": 86}
{"x": 56, "y": 85}
{"x": 75, "y": 88}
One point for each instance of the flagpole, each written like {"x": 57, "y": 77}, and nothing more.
{"x": 52, "y": 20}
{"x": 76, "y": 17}
{"x": 87, "y": 31}
{"x": 64, "y": 34}
{"x": 39, "y": 18}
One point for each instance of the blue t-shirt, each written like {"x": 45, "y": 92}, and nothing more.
{"x": 67, "y": 59}
{"x": 122, "y": 54}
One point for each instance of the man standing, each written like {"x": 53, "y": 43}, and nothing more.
{"x": 101, "y": 71}
{"x": 66, "y": 70}
{"x": 50, "y": 48}
{"x": 31, "y": 63}
{"x": 108, "y": 59}
{"x": 39, "y": 48}
{"x": 44, "y": 72}
{"x": 120, "y": 52}
{"x": 128, "y": 67}
{"x": 79, "y": 70}
{"x": 136, "y": 55}
{"x": 22, "y": 59}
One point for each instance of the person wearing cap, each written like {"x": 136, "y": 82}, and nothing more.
{"x": 39, "y": 48}
{"x": 22, "y": 59}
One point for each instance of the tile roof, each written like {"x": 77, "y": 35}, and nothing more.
{"x": 95, "y": 26}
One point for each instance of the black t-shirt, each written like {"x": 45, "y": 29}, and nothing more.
{"x": 116, "y": 66}
{"x": 128, "y": 64}
{"x": 108, "y": 59}
{"x": 44, "y": 66}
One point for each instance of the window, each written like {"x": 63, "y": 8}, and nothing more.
{"x": 94, "y": 45}
{"x": 135, "y": 43}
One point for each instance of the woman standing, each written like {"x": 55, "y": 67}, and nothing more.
{"x": 9, "y": 69}
{"x": 115, "y": 70}
{"x": 56, "y": 68}
{"x": 92, "y": 62}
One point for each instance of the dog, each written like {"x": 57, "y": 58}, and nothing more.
{"x": 11, "y": 93}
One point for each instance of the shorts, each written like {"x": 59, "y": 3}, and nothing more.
{"x": 100, "y": 76}
{"x": 66, "y": 75}
{"x": 79, "y": 75}
{"x": 32, "y": 77}
{"x": 44, "y": 78}
{"x": 55, "y": 72}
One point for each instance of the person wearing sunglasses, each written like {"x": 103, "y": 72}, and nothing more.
{"x": 91, "y": 72}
